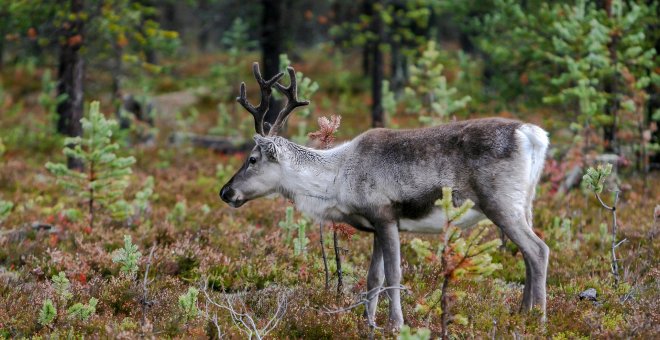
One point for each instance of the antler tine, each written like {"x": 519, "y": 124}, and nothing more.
{"x": 266, "y": 87}
{"x": 291, "y": 93}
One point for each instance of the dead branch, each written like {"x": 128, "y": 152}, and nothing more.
{"x": 144, "y": 300}
{"x": 242, "y": 319}
{"x": 364, "y": 299}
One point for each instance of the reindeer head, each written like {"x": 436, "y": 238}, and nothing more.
{"x": 261, "y": 173}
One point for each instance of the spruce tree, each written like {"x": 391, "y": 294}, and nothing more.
{"x": 104, "y": 177}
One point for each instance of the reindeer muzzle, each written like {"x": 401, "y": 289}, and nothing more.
{"x": 229, "y": 196}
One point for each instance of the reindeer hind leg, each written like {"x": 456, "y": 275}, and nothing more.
{"x": 512, "y": 219}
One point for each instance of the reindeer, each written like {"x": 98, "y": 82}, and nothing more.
{"x": 386, "y": 181}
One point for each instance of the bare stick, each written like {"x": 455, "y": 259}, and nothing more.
{"x": 243, "y": 320}
{"x": 340, "y": 276}
{"x": 145, "y": 302}
{"x": 364, "y": 298}
{"x": 615, "y": 262}
{"x": 325, "y": 258}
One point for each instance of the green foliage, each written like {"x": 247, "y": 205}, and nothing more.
{"x": 597, "y": 59}
{"x": 594, "y": 178}
{"x": 427, "y": 93}
{"x": 225, "y": 76}
{"x": 561, "y": 234}
{"x": 408, "y": 333}
{"x": 5, "y": 209}
{"x": 288, "y": 225}
{"x": 125, "y": 31}
{"x": 461, "y": 249}
{"x": 460, "y": 257}
{"x": 81, "y": 311}
{"x": 301, "y": 241}
{"x": 389, "y": 99}
{"x": 178, "y": 213}
{"x": 3, "y": 148}
{"x": 47, "y": 98}
{"x": 105, "y": 176}
{"x": 237, "y": 38}
{"x": 142, "y": 200}
{"x": 405, "y": 24}
{"x": 224, "y": 125}
{"x": 188, "y": 304}
{"x": 48, "y": 313}
{"x": 128, "y": 257}
{"x": 61, "y": 285}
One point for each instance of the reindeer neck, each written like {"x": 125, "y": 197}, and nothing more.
{"x": 310, "y": 176}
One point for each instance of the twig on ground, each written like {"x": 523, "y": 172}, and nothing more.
{"x": 242, "y": 319}
{"x": 144, "y": 300}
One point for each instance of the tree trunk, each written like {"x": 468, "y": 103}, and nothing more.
{"x": 272, "y": 40}
{"x": 609, "y": 132}
{"x": 70, "y": 79}
{"x": 377, "y": 75}
{"x": 368, "y": 10}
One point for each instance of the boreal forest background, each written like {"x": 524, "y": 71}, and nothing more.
{"x": 119, "y": 125}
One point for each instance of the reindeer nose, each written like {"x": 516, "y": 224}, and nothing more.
{"x": 226, "y": 194}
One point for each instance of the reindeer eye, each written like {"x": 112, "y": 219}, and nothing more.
{"x": 252, "y": 160}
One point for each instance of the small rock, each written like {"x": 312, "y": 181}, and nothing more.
{"x": 589, "y": 294}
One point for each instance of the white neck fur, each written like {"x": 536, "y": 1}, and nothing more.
{"x": 309, "y": 178}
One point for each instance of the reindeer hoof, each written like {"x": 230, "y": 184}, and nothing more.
{"x": 394, "y": 325}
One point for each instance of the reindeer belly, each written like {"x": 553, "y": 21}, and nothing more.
{"x": 436, "y": 221}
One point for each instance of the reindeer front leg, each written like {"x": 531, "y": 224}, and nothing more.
{"x": 388, "y": 239}
{"x": 375, "y": 279}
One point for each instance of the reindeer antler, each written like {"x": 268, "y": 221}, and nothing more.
{"x": 290, "y": 92}
{"x": 266, "y": 90}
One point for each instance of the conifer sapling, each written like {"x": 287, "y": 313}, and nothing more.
{"x": 102, "y": 183}
{"x": 128, "y": 257}
{"x": 48, "y": 313}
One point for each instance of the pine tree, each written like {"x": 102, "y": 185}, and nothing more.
{"x": 188, "y": 304}
{"x": 48, "y": 313}
{"x": 460, "y": 257}
{"x": 81, "y": 311}
{"x": 128, "y": 257}
{"x": 104, "y": 178}
{"x": 428, "y": 93}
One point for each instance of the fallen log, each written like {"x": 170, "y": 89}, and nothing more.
{"x": 226, "y": 145}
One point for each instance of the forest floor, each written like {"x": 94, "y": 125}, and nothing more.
{"x": 244, "y": 257}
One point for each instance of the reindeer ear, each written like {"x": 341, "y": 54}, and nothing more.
{"x": 268, "y": 147}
